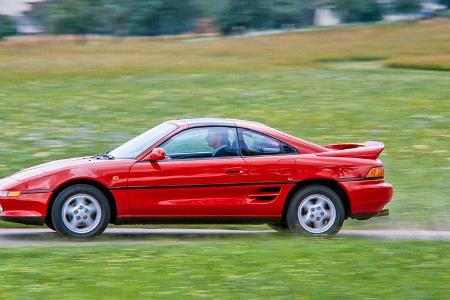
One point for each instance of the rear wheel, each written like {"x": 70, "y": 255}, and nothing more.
{"x": 80, "y": 211}
{"x": 315, "y": 210}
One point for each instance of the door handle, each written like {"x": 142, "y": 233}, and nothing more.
{"x": 234, "y": 171}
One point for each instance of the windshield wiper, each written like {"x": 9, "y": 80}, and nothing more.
{"x": 104, "y": 155}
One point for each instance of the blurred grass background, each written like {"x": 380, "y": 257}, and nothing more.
{"x": 390, "y": 83}
{"x": 269, "y": 267}
{"x": 62, "y": 99}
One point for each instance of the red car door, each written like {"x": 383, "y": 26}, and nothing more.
{"x": 203, "y": 175}
{"x": 271, "y": 171}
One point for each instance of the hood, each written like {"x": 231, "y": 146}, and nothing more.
{"x": 50, "y": 167}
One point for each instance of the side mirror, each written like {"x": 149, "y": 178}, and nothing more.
{"x": 157, "y": 154}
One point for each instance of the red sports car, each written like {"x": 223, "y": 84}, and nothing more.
{"x": 203, "y": 171}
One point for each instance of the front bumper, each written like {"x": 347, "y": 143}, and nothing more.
{"x": 367, "y": 197}
{"x": 24, "y": 220}
{"x": 28, "y": 208}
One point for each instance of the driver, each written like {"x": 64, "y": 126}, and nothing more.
{"x": 217, "y": 138}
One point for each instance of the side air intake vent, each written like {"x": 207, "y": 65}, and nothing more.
{"x": 264, "y": 194}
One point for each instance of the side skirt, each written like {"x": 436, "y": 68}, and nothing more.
{"x": 196, "y": 220}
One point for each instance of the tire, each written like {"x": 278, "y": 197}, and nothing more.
{"x": 315, "y": 210}
{"x": 280, "y": 227}
{"x": 50, "y": 225}
{"x": 80, "y": 211}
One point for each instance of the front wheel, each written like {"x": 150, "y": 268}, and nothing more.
{"x": 50, "y": 225}
{"x": 280, "y": 227}
{"x": 315, "y": 210}
{"x": 80, "y": 211}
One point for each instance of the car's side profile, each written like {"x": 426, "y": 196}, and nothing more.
{"x": 203, "y": 170}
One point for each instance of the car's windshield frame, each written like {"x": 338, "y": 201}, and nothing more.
{"x": 141, "y": 143}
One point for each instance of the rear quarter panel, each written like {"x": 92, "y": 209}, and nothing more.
{"x": 311, "y": 166}
{"x": 285, "y": 172}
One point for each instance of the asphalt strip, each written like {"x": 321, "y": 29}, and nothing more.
{"x": 16, "y": 238}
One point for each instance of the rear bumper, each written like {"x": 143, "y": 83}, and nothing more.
{"x": 28, "y": 208}
{"x": 381, "y": 213}
{"x": 367, "y": 197}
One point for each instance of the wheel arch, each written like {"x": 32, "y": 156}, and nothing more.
{"x": 332, "y": 184}
{"x": 109, "y": 196}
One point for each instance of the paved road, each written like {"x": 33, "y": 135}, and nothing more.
{"x": 46, "y": 237}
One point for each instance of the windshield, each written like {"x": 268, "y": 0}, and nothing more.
{"x": 137, "y": 145}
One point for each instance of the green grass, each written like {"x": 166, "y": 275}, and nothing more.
{"x": 230, "y": 268}
{"x": 422, "y": 63}
{"x": 63, "y": 99}
{"x": 341, "y": 59}
{"x": 66, "y": 99}
{"x": 52, "y": 118}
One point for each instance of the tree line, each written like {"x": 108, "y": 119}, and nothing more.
{"x": 158, "y": 17}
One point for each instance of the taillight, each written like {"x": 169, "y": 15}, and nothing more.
{"x": 375, "y": 172}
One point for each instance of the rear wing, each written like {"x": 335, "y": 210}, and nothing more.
{"x": 367, "y": 150}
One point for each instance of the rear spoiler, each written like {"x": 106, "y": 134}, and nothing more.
{"x": 367, "y": 150}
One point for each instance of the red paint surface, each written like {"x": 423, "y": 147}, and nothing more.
{"x": 256, "y": 186}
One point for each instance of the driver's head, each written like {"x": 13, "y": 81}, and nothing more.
{"x": 217, "y": 137}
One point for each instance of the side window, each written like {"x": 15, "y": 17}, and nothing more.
{"x": 253, "y": 143}
{"x": 202, "y": 142}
